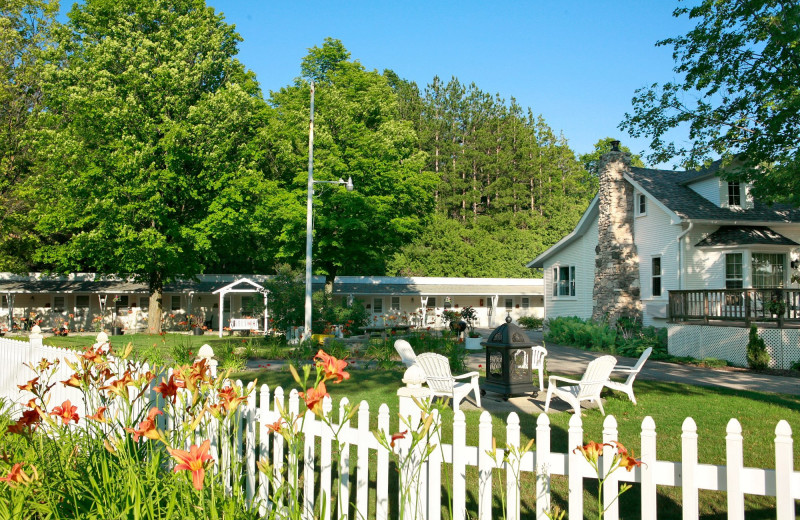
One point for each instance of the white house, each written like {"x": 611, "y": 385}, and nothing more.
{"x": 651, "y": 237}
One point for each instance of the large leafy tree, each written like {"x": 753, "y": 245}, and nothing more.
{"x": 738, "y": 94}
{"x": 25, "y": 44}
{"x": 148, "y": 163}
{"x": 357, "y": 134}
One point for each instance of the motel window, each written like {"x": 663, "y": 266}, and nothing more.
{"x": 58, "y": 304}
{"x": 734, "y": 194}
{"x": 526, "y": 303}
{"x": 656, "y": 276}
{"x": 509, "y": 303}
{"x": 122, "y": 301}
{"x": 395, "y": 303}
{"x": 144, "y": 303}
{"x": 377, "y": 305}
{"x": 432, "y": 302}
{"x": 175, "y": 303}
{"x": 564, "y": 280}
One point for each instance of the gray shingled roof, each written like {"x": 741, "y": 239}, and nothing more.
{"x": 670, "y": 188}
{"x": 435, "y": 289}
{"x": 109, "y": 286}
{"x": 745, "y": 235}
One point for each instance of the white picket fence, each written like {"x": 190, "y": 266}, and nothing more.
{"x": 256, "y": 443}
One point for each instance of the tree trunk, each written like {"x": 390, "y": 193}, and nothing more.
{"x": 156, "y": 304}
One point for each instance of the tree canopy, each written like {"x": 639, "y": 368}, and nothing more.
{"x": 137, "y": 151}
{"x": 737, "y": 95}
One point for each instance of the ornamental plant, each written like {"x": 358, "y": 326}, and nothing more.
{"x": 119, "y": 455}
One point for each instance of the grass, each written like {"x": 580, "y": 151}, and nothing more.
{"x": 667, "y": 403}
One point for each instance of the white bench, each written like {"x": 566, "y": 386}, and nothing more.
{"x": 244, "y": 324}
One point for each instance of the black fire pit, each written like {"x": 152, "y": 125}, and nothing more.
{"x": 508, "y": 362}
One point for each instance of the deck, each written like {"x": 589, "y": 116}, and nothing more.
{"x": 767, "y": 307}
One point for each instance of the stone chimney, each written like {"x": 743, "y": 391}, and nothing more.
{"x": 616, "y": 272}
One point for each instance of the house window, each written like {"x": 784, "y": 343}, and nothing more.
{"x": 121, "y": 302}
{"x": 641, "y": 204}
{"x": 734, "y": 194}
{"x": 377, "y": 305}
{"x": 144, "y": 303}
{"x": 733, "y": 271}
{"x": 395, "y": 303}
{"x": 768, "y": 269}
{"x": 58, "y": 304}
{"x": 175, "y": 303}
{"x": 509, "y": 303}
{"x": 564, "y": 280}
{"x": 432, "y": 302}
{"x": 448, "y": 302}
{"x": 656, "y": 276}
{"x": 526, "y": 303}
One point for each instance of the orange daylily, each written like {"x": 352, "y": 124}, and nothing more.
{"x": 98, "y": 416}
{"x": 30, "y": 386}
{"x": 28, "y": 419}
{"x": 147, "y": 428}
{"x": 73, "y": 381}
{"x": 16, "y": 476}
{"x": 397, "y": 437}
{"x": 66, "y": 412}
{"x": 275, "y": 427}
{"x": 625, "y": 460}
{"x": 168, "y": 388}
{"x": 230, "y": 398}
{"x": 194, "y": 461}
{"x": 314, "y": 397}
{"x": 119, "y": 386}
{"x": 334, "y": 368}
{"x": 591, "y": 451}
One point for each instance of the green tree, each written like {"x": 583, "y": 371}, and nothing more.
{"x": 738, "y": 96}
{"x": 602, "y": 146}
{"x": 147, "y": 166}
{"x": 358, "y": 135}
{"x": 25, "y": 46}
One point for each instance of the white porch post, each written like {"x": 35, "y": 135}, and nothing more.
{"x": 221, "y": 314}
{"x": 424, "y": 301}
{"x": 495, "y": 299}
{"x": 266, "y": 312}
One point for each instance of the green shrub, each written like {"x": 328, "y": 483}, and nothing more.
{"x": 796, "y": 365}
{"x": 529, "y": 322}
{"x": 757, "y": 355}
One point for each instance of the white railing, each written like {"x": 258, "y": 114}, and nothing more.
{"x": 782, "y": 482}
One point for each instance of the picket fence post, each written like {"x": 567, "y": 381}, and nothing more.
{"x": 459, "y": 466}
{"x": 263, "y": 449}
{"x": 382, "y": 484}
{"x": 485, "y": 467}
{"x": 690, "y": 496}
{"x": 410, "y": 412}
{"x": 648, "y": 468}
{"x": 343, "y": 504}
{"x": 575, "y": 464}
{"x": 35, "y": 343}
{"x": 734, "y": 463}
{"x": 784, "y": 465}
{"x": 611, "y": 484}
{"x": 542, "y": 466}
{"x": 513, "y": 466}
{"x": 326, "y": 458}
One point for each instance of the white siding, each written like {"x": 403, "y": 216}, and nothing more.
{"x": 709, "y": 189}
{"x": 655, "y": 235}
{"x": 581, "y": 254}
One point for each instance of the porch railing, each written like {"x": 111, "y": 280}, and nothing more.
{"x": 748, "y": 305}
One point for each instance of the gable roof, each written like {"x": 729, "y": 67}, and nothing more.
{"x": 745, "y": 235}
{"x": 583, "y": 224}
{"x": 671, "y": 188}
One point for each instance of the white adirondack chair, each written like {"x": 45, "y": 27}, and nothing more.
{"x": 587, "y": 389}
{"x": 537, "y": 363}
{"x": 632, "y": 372}
{"x": 441, "y": 381}
{"x": 406, "y": 352}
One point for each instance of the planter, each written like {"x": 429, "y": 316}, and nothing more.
{"x": 116, "y": 331}
{"x": 473, "y": 343}
{"x": 197, "y": 331}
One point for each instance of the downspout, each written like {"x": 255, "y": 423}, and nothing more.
{"x": 680, "y": 255}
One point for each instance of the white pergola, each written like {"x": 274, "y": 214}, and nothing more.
{"x": 243, "y": 285}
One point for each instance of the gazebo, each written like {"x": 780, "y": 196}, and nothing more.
{"x": 243, "y": 285}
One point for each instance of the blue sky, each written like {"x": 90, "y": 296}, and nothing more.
{"x": 576, "y": 62}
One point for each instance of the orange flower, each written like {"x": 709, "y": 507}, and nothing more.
{"x": 31, "y": 385}
{"x": 73, "y": 381}
{"x": 119, "y": 386}
{"x": 29, "y": 419}
{"x": 334, "y": 368}
{"x": 275, "y": 427}
{"x": 591, "y": 451}
{"x": 397, "y": 437}
{"x": 98, "y": 416}
{"x": 194, "y": 461}
{"x": 147, "y": 428}
{"x": 168, "y": 388}
{"x": 314, "y": 397}
{"x": 230, "y": 398}
{"x": 16, "y": 476}
{"x": 92, "y": 356}
{"x": 66, "y": 412}
{"x": 625, "y": 460}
